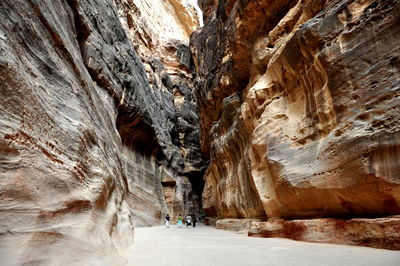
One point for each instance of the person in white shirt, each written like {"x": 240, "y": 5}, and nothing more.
{"x": 188, "y": 221}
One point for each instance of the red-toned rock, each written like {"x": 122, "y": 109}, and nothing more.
{"x": 86, "y": 140}
{"x": 299, "y": 108}
{"x": 299, "y": 119}
{"x": 377, "y": 233}
{"x": 239, "y": 225}
{"x": 63, "y": 183}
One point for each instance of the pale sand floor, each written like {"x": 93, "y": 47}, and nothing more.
{"x": 206, "y": 245}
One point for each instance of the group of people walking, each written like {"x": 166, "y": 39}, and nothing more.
{"x": 189, "y": 221}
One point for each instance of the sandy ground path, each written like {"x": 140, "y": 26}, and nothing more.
{"x": 206, "y": 245}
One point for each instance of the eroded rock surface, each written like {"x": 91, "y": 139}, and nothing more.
{"x": 159, "y": 32}
{"x": 239, "y": 225}
{"x": 84, "y": 137}
{"x": 63, "y": 182}
{"x": 300, "y": 116}
{"x": 377, "y": 233}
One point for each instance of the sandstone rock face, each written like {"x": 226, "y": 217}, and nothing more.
{"x": 84, "y": 137}
{"x": 239, "y": 225}
{"x": 63, "y": 183}
{"x": 377, "y": 233}
{"x": 159, "y": 31}
{"x": 300, "y": 117}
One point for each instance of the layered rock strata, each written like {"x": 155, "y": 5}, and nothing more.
{"x": 377, "y": 233}
{"x": 84, "y": 137}
{"x": 238, "y": 225}
{"x": 299, "y": 108}
{"x": 159, "y": 32}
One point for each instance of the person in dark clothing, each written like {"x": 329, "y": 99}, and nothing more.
{"x": 167, "y": 219}
{"x": 194, "y": 220}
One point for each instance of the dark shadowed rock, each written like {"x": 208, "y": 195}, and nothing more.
{"x": 168, "y": 63}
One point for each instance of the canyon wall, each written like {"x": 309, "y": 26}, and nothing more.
{"x": 159, "y": 32}
{"x": 299, "y": 108}
{"x": 86, "y": 141}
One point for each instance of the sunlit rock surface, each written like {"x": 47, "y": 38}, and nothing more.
{"x": 300, "y": 117}
{"x": 86, "y": 141}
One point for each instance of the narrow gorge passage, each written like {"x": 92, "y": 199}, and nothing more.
{"x": 274, "y": 119}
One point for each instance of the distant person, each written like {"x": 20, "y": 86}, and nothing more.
{"x": 194, "y": 221}
{"x": 180, "y": 221}
{"x": 167, "y": 219}
{"x": 188, "y": 221}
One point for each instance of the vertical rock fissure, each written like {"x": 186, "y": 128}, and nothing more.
{"x": 168, "y": 66}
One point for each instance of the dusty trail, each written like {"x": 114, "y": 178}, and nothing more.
{"x": 205, "y": 245}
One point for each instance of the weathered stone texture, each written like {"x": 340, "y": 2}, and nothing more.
{"x": 63, "y": 183}
{"x": 238, "y": 225}
{"x": 159, "y": 31}
{"x": 377, "y": 233}
{"x": 300, "y": 116}
{"x": 84, "y": 137}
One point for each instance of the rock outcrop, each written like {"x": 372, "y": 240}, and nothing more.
{"x": 86, "y": 141}
{"x": 239, "y": 225}
{"x": 159, "y": 32}
{"x": 377, "y": 233}
{"x": 299, "y": 108}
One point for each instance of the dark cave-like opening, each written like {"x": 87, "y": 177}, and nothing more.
{"x": 197, "y": 182}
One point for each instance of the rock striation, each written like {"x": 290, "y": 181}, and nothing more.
{"x": 63, "y": 183}
{"x": 88, "y": 146}
{"x": 238, "y": 225}
{"x": 159, "y": 32}
{"x": 299, "y": 108}
{"x": 377, "y": 232}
